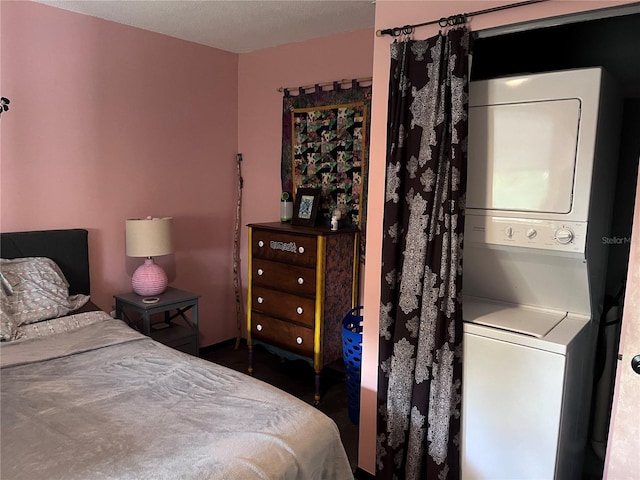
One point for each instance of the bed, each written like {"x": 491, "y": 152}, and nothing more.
{"x": 95, "y": 399}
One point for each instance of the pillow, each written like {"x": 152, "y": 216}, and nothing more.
{"x": 6, "y": 286}
{"x": 8, "y": 326}
{"x": 60, "y": 325}
{"x": 40, "y": 290}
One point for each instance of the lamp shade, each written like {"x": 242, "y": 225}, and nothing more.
{"x": 149, "y": 237}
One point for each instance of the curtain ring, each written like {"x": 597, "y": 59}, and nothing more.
{"x": 459, "y": 19}
{"x": 396, "y": 31}
{"x": 407, "y": 30}
{"x": 443, "y": 22}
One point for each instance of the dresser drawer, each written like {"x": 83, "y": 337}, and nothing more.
{"x": 283, "y": 276}
{"x": 283, "y": 305}
{"x": 289, "y": 336}
{"x": 284, "y": 247}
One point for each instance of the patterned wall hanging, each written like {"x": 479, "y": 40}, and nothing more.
{"x": 4, "y": 104}
{"x": 325, "y": 145}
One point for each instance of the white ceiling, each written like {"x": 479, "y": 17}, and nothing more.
{"x": 238, "y": 26}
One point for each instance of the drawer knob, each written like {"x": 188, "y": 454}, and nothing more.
{"x": 259, "y": 327}
{"x": 260, "y": 272}
{"x": 299, "y": 310}
{"x": 260, "y": 243}
{"x": 260, "y": 300}
{"x": 299, "y": 340}
{"x": 300, "y": 249}
{"x": 300, "y": 280}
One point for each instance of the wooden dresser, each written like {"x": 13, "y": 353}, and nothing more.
{"x": 302, "y": 281}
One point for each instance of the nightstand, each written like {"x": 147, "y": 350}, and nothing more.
{"x": 174, "y": 304}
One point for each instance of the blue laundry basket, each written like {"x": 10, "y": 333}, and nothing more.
{"x": 352, "y": 352}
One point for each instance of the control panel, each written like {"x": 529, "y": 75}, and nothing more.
{"x": 526, "y": 232}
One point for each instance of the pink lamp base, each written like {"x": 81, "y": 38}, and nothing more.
{"x": 149, "y": 279}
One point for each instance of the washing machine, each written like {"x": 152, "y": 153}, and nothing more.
{"x": 523, "y": 395}
{"x": 541, "y": 172}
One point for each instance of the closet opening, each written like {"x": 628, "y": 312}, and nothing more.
{"x": 608, "y": 38}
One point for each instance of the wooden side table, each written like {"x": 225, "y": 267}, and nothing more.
{"x": 174, "y": 303}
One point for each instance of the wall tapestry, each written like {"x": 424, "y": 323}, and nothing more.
{"x": 325, "y": 145}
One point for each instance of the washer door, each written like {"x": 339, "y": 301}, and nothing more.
{"x": 526, "y": 320}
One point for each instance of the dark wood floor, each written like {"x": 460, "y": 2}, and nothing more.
{"x": 297, "y": 378}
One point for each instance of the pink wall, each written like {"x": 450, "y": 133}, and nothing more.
{"x": 109, "y": 122}
{"x": 261, "y": 73}
{"x": 392, "y": 13}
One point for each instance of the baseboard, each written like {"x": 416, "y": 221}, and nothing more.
{"x": 362, "y": 475}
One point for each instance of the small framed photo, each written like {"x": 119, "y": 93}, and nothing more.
{"x": 306, "y": 206}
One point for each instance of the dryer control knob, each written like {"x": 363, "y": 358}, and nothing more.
{"x": 531, "y": 233}
{"x": 564, "y": 236}
{"x": 508, "y": 232}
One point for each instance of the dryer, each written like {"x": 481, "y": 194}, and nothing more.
{"x": 541, "y": 171}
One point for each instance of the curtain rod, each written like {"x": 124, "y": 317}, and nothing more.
{"x": 452, "y": 20}
{"x": 326, "y": 84}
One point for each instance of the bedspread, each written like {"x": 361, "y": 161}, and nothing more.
{"x": 105, "y": 402}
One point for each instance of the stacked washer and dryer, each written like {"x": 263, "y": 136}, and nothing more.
{"x": 541, "y": 173}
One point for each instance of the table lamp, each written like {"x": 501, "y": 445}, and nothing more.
{"x": 149, "y": 237}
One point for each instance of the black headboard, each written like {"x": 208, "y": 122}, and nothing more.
{"x": 68, "y": 248}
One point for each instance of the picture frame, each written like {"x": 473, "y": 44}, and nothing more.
{"x": 306, "y": 206}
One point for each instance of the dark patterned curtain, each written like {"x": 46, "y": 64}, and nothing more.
{"x": 420, "y": 370}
